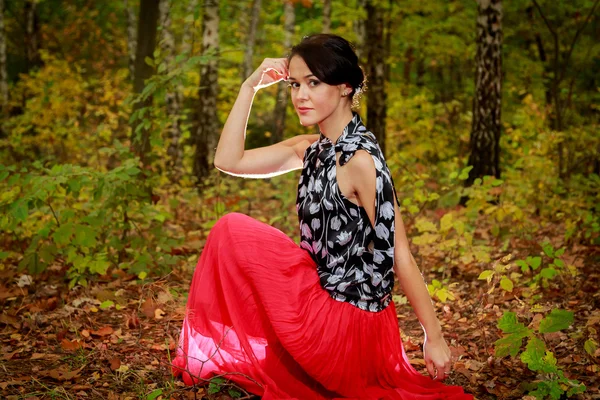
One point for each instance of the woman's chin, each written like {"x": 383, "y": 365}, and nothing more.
{"x": 306, "y": 121}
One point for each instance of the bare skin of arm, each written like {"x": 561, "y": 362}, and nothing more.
{"x": 357, "y": 180}
{"x": 279, "y": 158}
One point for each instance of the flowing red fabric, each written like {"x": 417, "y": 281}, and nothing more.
{"x": 257, "y": 313}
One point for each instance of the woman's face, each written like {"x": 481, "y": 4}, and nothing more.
{"x": 313, "y": 100}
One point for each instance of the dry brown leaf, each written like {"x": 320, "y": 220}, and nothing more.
{"x": 148, "y": 308}
{"x": 85, "y": 333}
{"x": 10, "y": 320}
{"x": 104, "y": 331}
{"x": 61, "y": 375}
{"x": 164, "y": 297}
{"x": 133, "y": 322}
{"x": 67, "y": 344}
{"x": 40, "y": 356}
{"x": 8, "y": 356}
{"x": 115, "y": 363}
{"x": 6, "y": 293}
{"x": 80, "y": 387}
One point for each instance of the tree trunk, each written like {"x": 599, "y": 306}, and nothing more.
{"x": 360, "y": 32}
{"x": 208, "y": 123}
{"x": 282, "y": 92}
{"x": 376, "y": 71}
{"x": 420, "y": 71}
{"x": 32, "y": 35}
{"x": 3, "y": 74}
{"x": 131, "y": 37}
{"x": 187, "y": 40}
{"x": 173, "y": 96}
{"x": 560, "y": 64}
{"x": 487, "y": 102}
{"x": 146, "y": 33}
{"x": 326, "y": 16}
{"x": 250, "y": 40}
{"x": 408, "y": 60}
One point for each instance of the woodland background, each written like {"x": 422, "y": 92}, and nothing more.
{"x": 488, "y": 112}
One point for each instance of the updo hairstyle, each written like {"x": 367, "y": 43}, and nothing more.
{"x": 332, "y": 60}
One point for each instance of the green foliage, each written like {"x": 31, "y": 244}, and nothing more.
{"x": 440, "y": 291}
{"x": 86, "y": 219}
{"x": 553, "y": 383}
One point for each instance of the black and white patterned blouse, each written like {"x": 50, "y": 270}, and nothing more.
{"x": 354, "y": 259}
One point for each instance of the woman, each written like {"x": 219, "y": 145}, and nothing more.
{"x": 315, "y": 321}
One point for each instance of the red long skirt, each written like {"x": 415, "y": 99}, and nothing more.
{"x": 257, "y": 313}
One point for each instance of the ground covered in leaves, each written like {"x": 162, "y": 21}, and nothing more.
{"x": 114, "y": 339}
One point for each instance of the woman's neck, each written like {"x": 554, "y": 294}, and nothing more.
{"x": 333, "y": 126}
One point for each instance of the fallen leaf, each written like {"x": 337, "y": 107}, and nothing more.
{"x": 80, "y": 387}
{"x": 61, "y": 375}
{"x": 164, "y": 297}
{"x": 10, "y": 320}
{"x": 158, "y": 313}
{"x": 85, "y": 333}
{"x": 115, "y": 363}
{"x": 8, "y": 356}
{"x": 104, "y": 331}
{"x": 24, "y": 280}
{"x": 133, "y": 322}
{"x": 17, "y": 381}
{"x": 67, "y": 344}
{"x": 43, "y": 356}
{"x": 122, "y": 368}
{"x": 148, "y": 308}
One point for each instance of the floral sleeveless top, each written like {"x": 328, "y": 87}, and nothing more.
{"x": 354, "y": 259}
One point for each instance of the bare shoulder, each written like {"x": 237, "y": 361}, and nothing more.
{"x": 361, "y": 165}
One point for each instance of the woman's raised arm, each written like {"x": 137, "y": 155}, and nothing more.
{"x": 232, "y": 158}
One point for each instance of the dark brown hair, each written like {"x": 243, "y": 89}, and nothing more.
{"x": 332, "y": 60}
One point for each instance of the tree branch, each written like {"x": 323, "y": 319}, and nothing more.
{"x": 564, "y": 69}
{"x": 535, "y": 3}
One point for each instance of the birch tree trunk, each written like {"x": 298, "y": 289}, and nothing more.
{"x": 3, "y": 74}
{"x": 146, "y": 33}
{"x": 208, "y": 123}
{"x": 376, "y": 72}
{"x": 250, "y": 39}
{"x": 326, "y": 16}
{"x": 282, "y": 92}
{"x": 131, "y": 36}
{"x": 173, "y": 96}
{"x": 187, "y": 40}
{"x": 487, "y": 102}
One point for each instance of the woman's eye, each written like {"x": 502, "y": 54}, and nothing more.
{"x": 293, "y": 85}
{"x": 314, "y": 83}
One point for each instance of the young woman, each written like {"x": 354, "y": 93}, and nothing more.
{"x": 314, "y": 321}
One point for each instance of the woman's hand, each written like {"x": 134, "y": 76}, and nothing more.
{"x": 437, "y": 358}
{"x": 272, "y": 70}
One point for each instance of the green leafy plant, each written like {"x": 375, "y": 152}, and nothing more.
{"x": 86, "y": 219}
{"x": 552, "y": 382}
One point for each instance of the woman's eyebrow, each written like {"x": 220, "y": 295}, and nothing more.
{"x": 294, "y": 79}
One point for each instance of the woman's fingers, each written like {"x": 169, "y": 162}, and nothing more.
{"x": 443, "y": 371}
{"x": 430, "y": 369}
{"x": 272, "y": 70}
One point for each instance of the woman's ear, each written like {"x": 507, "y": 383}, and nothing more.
{"x": 345, "y": 89}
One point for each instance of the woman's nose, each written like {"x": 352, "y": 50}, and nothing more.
{"x": 302, "y": 92}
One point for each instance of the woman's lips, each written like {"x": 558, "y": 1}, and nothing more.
{"x": 303, "y": 110}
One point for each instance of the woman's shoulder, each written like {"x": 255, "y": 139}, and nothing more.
{"x": 367, "y": 142}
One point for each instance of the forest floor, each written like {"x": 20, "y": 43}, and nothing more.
{"x": 115, "y": 338}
